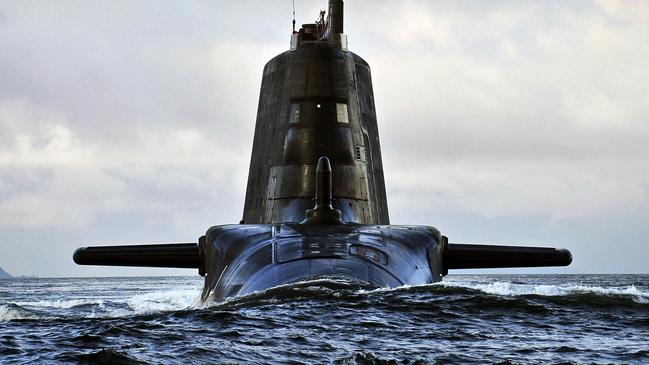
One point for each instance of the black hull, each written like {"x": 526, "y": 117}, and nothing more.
{"x": 241, "y": 259}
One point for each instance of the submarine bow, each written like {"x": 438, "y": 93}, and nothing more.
{"x": 315, "y": 202}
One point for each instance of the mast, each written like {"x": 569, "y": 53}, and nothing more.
{"x": 334, "y": 24}
{"x": 329, "y": 30}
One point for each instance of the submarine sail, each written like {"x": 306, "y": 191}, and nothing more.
{"x": 316, "y": 100}
{"x": 315, "y": 202}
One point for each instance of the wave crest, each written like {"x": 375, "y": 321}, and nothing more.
{"x": 163, "y": 301}
{"x": 63, "y": 304}
{"x": 12, "y": 312}
{"x": 505, "y": 288}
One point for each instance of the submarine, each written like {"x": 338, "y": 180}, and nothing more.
{"x": 316, "y": 204}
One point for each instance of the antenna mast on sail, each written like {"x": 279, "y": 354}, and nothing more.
{"x": 293, "y": 16}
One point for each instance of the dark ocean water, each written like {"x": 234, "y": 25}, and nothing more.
{"x": 467, "y": 319}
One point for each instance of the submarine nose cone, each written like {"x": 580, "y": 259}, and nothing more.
{"x": 323, "y": 212}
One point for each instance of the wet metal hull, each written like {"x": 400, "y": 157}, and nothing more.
{"x": 240, "y": 259}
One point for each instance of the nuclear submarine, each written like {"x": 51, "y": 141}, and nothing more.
{"x": 315, "y": 204}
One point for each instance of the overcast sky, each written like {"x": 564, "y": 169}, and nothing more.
{"x": 504, "y": 122}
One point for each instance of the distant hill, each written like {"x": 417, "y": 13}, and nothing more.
{"x": 4, "y": 274}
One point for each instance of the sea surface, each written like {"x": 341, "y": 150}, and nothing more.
{"x": 503, "y": 319}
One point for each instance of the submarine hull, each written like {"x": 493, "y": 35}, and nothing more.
{"x": 241, "y": 259}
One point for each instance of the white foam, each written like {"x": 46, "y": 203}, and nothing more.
{"x": 146, "y": 303}
{"x": 505, "y": 288}
{"x": 388, "y": 289}
{"x": 62, "y": 304}
{"x": 511, "y": 289}
{"x": 163, "y": 301}
{"x": 8, "y": 314}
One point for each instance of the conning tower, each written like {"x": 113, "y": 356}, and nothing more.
{"x": 316, "y": 100}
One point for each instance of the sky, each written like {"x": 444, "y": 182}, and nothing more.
{"x": 502, "y": 122}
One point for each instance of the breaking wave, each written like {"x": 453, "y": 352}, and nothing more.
{"x": 12, "y": 312}
{"x": 511, "y": 289}
{"x": 138, "y": 304}
{"x": 163, "y": 301}
{"x": 62, "y": 304}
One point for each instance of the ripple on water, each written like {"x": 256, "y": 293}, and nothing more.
{"x": 468, "y": 319}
